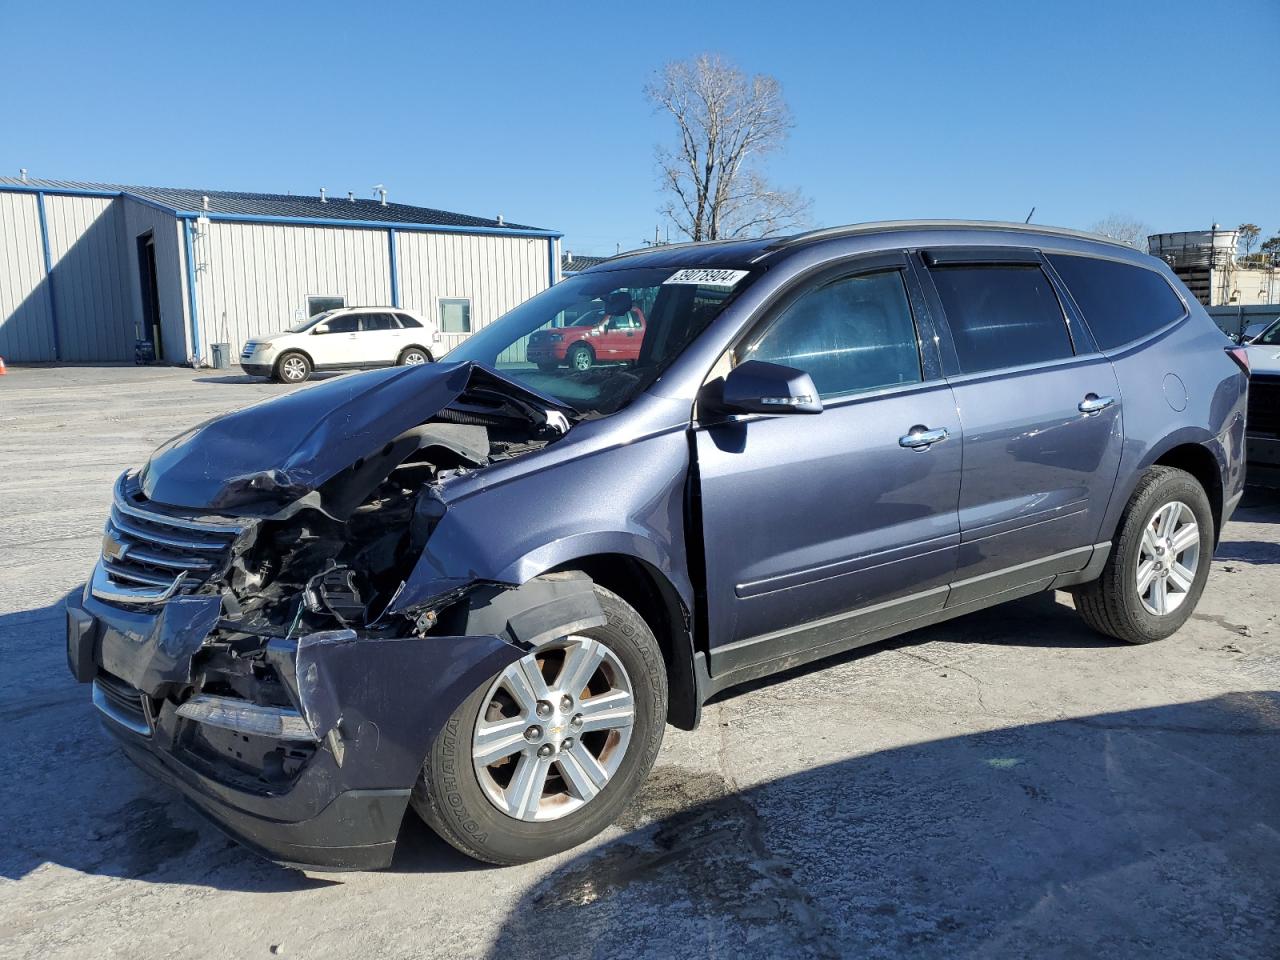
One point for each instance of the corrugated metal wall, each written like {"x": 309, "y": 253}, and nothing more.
{"x": 25, "y": 321}
{"x": 254, "y": 278}
{"x": 495, "y": 273}
{"x": 138, "y": 219}
{"x": 251, "y": 278}
{"x": 95, "y": 316}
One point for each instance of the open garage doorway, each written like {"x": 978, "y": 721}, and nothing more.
{"x": 150, "y": 332}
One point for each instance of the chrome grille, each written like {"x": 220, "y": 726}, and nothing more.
{"x": 1264, "y": 405}
{"x": 122, "y": 703}
{"x": 149, "y": 555}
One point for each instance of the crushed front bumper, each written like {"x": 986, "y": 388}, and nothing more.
{"x": 372, "y": 707}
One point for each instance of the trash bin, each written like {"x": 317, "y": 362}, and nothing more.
{"x": 221, "y": 355}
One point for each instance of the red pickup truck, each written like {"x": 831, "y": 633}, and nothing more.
{"x": 612, "y": 334}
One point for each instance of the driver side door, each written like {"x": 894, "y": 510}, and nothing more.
{"x": 821, "y": 529}
{"x": 337, "y": 344}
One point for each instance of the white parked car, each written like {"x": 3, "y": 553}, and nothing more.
{"x": 343, "y": 339}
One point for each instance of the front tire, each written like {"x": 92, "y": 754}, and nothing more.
{"x": 546, "y": 754}
{"x": 1159, "y": 562}
{"x": 293, "y": 367}
{"x": 581, "y": 357}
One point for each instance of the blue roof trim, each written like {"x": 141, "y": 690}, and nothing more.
{"x": 301, "y": 221}
{"x": 368, "y": 224}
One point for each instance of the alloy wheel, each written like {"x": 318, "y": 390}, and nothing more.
{"x": 553, "y": 730}
{"x": 1168, "y": 558}
{"x": 294, "y": 368}
{"x": 414, "y": 358}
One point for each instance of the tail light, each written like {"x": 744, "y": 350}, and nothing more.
{"x": 1241, "y": 356}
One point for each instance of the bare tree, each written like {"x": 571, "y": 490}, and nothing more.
{"x": 1125, "y": 228}
{"x": 726, "y": 122}
{"x": 1249, "y": 233}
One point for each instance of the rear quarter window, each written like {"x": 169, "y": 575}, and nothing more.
{"x": 1120, "y": 302}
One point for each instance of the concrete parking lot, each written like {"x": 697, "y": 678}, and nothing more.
{"x": 1006, "y": 785}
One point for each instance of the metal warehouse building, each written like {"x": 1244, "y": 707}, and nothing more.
{"x": 87, "y": 270}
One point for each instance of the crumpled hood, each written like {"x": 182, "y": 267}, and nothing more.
{"x": 283, "y": 448}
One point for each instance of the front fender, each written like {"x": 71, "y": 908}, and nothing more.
{"x": 627, "y": 500}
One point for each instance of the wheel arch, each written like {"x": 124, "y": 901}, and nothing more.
{"x": 431, "y": 357}
{"x": 658, "y": 602}
{"x": 288, "y": 350}
{"x": 1197, "y": 460}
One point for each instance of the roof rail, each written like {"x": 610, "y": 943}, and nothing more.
{"x": 892, "y": 226}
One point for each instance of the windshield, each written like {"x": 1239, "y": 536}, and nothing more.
{"x": 310, "y": 322}
{"x": 596, "y": 340}
{"x": 1269, "y": 337}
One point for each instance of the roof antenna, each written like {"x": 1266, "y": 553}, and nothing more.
{"x": 1030, "y": 215}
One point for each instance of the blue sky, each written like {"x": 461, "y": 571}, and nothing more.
{"x": 1163, "y": 111}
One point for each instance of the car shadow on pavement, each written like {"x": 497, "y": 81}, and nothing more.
{"x": 242, "y": 378}
{"x": 1147, "y": 832}
{"x": 1250, "y": 551}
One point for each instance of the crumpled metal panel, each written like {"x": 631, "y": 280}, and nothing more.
{"x": 152, "y": 651}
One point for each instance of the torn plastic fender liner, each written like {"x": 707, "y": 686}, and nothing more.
{"x": 381, "y": 702}
{"x": 543, "y": 609}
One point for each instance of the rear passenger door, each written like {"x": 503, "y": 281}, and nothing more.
{"x": 380, "y": 338}
{"x": 1041, "y": 417}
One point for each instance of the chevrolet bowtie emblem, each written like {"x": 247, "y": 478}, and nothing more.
{"x": 112, "y": 548}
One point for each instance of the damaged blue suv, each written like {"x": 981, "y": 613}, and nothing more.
{"x": 481, "y": 588}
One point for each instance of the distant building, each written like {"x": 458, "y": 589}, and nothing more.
{"x": 87, "y": 270}
{"x": 575, "y": 263}
{"x": 1206, "y": 262}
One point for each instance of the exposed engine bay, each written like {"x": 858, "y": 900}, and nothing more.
{"x": 300, "y": 548}
{"x": 336, "y": 557}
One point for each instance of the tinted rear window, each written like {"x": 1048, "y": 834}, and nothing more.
{"x": 1120, "y": 302}
{"x": 1002, "y": 315}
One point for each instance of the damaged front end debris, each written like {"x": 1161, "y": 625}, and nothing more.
{"x": 241, "y": 628}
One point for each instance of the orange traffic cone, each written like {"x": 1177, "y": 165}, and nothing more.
{"x": 3, "y": 371}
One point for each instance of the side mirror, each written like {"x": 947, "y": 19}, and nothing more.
{"x": 758, "y": 386}
{"x": 321, "y": 328}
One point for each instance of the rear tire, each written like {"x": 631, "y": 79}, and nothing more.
{"x": 292, "y": 367}
{"x": 1159, "y": 561}
{"x": 460, "y": 799}
{"x": 413, "y": 357}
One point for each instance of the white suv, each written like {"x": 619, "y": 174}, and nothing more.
{"x": 342, "y": 339}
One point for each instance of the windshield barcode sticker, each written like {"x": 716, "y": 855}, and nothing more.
{"x": 707, "y": 277}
